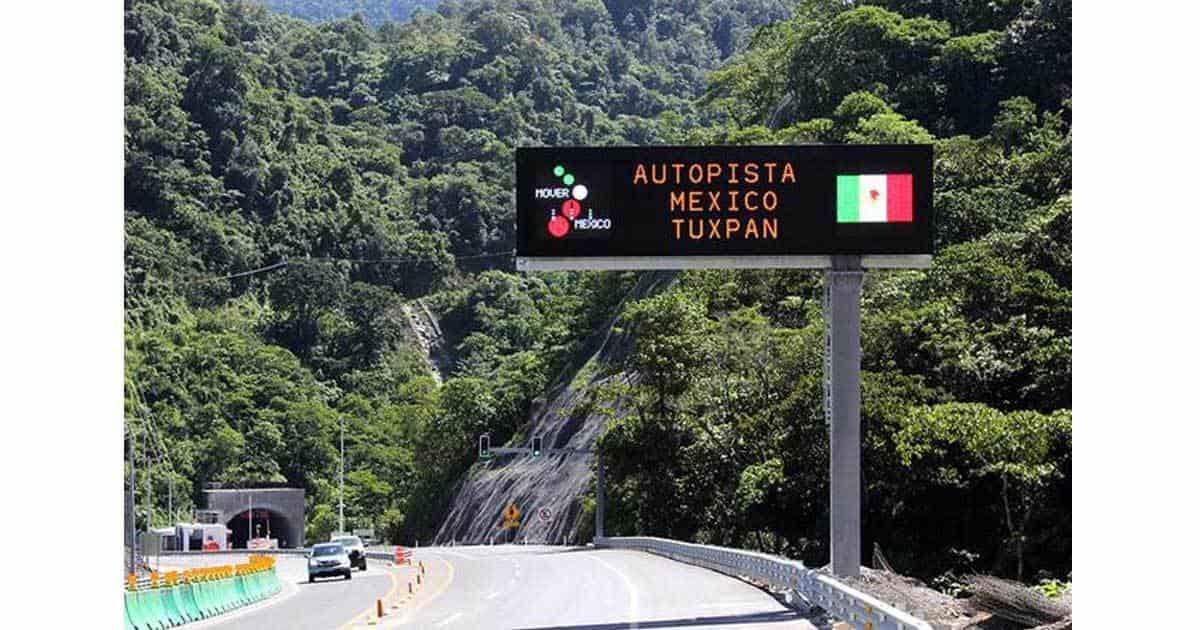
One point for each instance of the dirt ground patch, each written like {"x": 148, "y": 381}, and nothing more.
{"x": 976, "y": 613}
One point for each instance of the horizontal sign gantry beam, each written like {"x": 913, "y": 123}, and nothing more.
{"x": 639, "y": 263}
{"x": 729, "y": 207}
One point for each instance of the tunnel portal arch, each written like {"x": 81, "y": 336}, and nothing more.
{"x": 279, "y": 511}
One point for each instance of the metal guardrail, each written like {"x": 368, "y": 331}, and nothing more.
{"x": 842, "y": 602}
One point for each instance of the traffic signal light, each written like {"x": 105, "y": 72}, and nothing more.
{"x": 485, "y": 446}
{"x": 537, "y": 446}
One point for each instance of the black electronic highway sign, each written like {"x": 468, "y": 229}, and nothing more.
{"x": 723, "y": 206}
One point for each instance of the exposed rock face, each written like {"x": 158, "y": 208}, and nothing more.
{"x": 423, "y": 329}
{"x": 557, "y": 483}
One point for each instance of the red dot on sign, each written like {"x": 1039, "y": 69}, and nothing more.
{"x": 570, "y": 209}
{"x": 558, "y": 226}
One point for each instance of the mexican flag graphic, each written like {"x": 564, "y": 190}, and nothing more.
{"x": 884, "y": 198}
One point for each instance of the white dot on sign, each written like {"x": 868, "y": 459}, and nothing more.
{"x": 579, "y": 192}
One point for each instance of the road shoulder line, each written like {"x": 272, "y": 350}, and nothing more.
{"x": 629, "y": 586}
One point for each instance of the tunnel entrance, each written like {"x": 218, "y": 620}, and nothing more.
{"x": 278, "y": 513}
{"x": 264, "y": 523}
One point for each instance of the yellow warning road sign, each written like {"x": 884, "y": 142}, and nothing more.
{"x": 512, "y": 516}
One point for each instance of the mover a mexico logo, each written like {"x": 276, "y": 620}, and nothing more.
{"x": 569, "y": 209}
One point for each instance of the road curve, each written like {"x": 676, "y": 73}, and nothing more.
{"x": 327, "y": 604}
{"x": 516, "y": 587}
{"x": 538, "y": 588}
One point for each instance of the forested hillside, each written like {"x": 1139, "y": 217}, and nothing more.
{"x": 292, "y": 187}
{"x": 375, "y": 12}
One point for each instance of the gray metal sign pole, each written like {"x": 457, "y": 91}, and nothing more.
{"x": 843, "y": 398}
{"x": 132, "y": 501}
{"x": 599, "y": 498}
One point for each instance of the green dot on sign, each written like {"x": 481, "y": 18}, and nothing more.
{"x": 558, "y": 171}
{"x": 568, "y": 179}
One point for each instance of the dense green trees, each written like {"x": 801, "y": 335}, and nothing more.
{"x": 352, "y": 165}
{"x": 945, "y": 64}
{"x": 1025, "y": 450}
{"x": 967, "y": 384}
{"x": 292, "y": 188}
{"x": 374, "y": 12}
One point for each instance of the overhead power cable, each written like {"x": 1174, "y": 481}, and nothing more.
{"x": 323, "y": 259}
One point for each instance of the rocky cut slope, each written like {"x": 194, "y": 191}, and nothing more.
{"x": 566, "y": 418}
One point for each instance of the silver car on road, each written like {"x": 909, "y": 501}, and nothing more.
{"x": 328, "y": 559}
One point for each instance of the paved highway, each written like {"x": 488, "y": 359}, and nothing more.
{"x": 535, "y": 588}
{"x": 521, "y": 587}
{"x": 327, "y": 604}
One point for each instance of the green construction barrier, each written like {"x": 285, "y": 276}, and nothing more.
{"x": 165, "y": 607}
{"x": 171, "y": 604}
{"x": 247, "y": 589}
{"x": 200, "y": 590}
{"x": 268, "y": 583}
{"x": 212, "y": 590}
{"x": 133, "y": 611}
{"x": 239, "y": 590}
{"x": 229, "y": 594}
{"x": 164, "y": 612}
{"x": 187, "y": 595}
{"x": 251, "y": 586}
{"x": 216, "y": 598}
{"x": 256, "y": 586}
{"x": 178, "y": 605}
{"x": 158, "y": 615}
{"x": 166, "y": 599}
{"x": 147, "y": 611}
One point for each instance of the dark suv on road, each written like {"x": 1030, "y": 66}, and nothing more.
{"x": 357, "y": 550}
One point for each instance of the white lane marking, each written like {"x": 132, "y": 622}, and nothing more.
{"x": 457, "y": 554}
{"x": 493, "y": 595}
{"x": 633, "y": 595}
{"x": 449, "y": 619}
